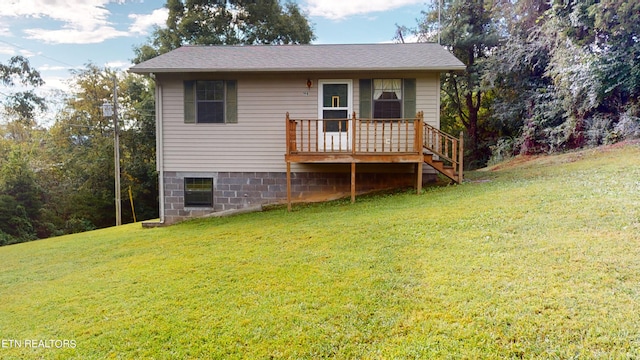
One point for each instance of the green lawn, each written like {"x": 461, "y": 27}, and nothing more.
{"x": 539, "y": 259}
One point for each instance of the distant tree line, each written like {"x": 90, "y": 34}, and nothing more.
{"x": 59, "y": 178}
{"x": 542, "y": 76}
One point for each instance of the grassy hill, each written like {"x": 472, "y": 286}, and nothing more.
{"x": 536, "y": 258}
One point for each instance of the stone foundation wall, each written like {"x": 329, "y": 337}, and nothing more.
{"x": 236, "y": 190}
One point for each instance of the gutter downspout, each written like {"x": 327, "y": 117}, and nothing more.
{"x": 159, "y": 147}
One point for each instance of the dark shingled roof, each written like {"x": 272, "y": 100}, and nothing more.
{"x": 297, "y": 58}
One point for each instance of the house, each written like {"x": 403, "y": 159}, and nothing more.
{"x": 248, "y": 125}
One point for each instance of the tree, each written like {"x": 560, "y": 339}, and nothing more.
{"x": 470, "y": 31}
{"x": 20, "y": 198}
{"x": 541, "y": 76}
{"x": 137, "y": 144}
{"x": 525, "y": 99}
{"x": 20, "y": 108}
{"x": 81, "y": 145}
{"x": 616, "y": 24}
{"x": 19, "y": 69}
{"x": 571, "y": 79}
{"x": 20, "y": 195}
{"x": 232, "y": 22}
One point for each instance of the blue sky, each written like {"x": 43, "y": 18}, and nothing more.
{"x": 60, "y": 35}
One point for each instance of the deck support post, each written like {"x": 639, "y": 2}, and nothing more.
{"x": 418, "y": 149}
{"x": 461, "y": 159}
{"x": 353, "y": 182}
{"x": 288, "y": 185}
{"x": 419, "y": 178}
{"x": 353, "y": 153}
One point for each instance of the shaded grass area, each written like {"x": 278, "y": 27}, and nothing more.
{"x": 540, "y": 259}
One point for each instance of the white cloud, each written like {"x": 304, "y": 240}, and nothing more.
{"x": 122, "y": 65}
{"x": 83, "y": 21}
{"x": 75, "y": 36}
{"x": 5, "y": 31}
{"x": 27, "y": 53}
{"x": 76, "y": 14}
{"x": 7, "y": 50}
{"x": 47, "y": 67}
{"x": 55, "y": 82}
{"x": 142, "y": 23}
{"x": 341, "y": 9}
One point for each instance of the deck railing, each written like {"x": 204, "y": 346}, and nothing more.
{"x": 448, "y": 148}
{"x": 384, "y": 136}
{"x": 394, "y": 137}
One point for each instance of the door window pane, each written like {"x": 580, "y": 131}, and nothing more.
{"x": 331, "y": 91}
{"x": 333, "y": 125}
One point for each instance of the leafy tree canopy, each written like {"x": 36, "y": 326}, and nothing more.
{"x": 21, "y": 107}
{"x": 231, "y": 22}
{"x": 18, "y": 68}
{"x": 541, "y": 76}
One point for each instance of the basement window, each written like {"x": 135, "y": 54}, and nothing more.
{"x": 198, "y": 192}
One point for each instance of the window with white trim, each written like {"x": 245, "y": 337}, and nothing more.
{"x": 387, "y": 98}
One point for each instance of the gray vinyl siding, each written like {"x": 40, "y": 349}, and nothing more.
{"x": 257, "y": 141}
{"x": 428, "y": 99}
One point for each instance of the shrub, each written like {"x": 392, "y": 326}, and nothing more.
{"x": 6, "y": 239}
{"x": 501, "y": 151}
{"x": 628, "y": 127}
{"x": 76, "y": 225}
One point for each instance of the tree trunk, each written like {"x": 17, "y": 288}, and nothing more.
{"x": 472, "y": 124}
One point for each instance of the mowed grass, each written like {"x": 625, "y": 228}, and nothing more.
{"x": 538, "y": 259}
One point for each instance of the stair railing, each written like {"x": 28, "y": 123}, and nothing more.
{"x": 447, "y": 147}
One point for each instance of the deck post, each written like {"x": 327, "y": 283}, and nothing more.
{"x": 461, "y": 158}
{"x": 353, "y": 152}
{"x": 353, "y": 182}
{"x": 353, "y": 133}
{"x": 419, "y": 178}
{"x": 288, "y": 185}
{"x": 419, "y": 129}
{"x": 288, "y": 132}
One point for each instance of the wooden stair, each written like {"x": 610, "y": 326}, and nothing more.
{"x": 446, "y": 170}
{"x": 448, "y": 149}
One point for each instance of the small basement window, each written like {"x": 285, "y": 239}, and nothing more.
{"x": 198, "y": 192}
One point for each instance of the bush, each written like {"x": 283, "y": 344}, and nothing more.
{"x": 599, "y": 130}
{"x": 628, "y": 127}
{"x": 6, "y": 239}
{"x": 76, "y": 225}
{"x": 501, "y": 151}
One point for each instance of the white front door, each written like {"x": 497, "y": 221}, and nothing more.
{"x": 334, "y": 110}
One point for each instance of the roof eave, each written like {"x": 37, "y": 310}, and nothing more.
{"x": 289, "y": 70}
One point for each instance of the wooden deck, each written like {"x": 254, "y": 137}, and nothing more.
{"x": 355, "y": 141}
